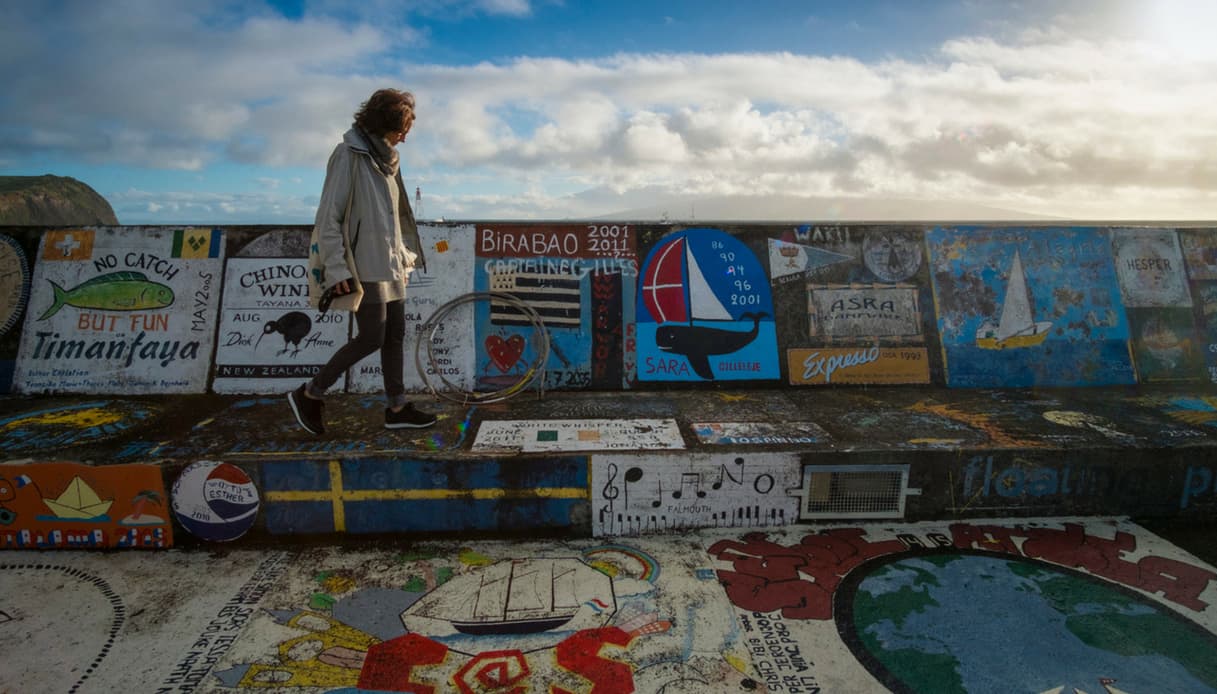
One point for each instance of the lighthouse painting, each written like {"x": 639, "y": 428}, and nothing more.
{"x": 705, "y": 312}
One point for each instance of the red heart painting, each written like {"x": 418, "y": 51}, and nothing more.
{"x": 505, "y": 353}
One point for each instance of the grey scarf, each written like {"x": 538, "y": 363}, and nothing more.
{"x": 384, "y": 155}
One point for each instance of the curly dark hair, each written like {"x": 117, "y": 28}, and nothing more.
{"x": 386, "y": 111}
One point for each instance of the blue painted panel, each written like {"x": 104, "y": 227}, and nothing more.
{"x": 295, "y": 475}
{"x": 705, "y": 311}
{"x": 458, "y": 514}
{"x": 298, "y": 517}
{"x": 465, "y": 474}
{"x": 1077, "y": 330}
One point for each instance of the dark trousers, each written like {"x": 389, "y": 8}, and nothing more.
{"x": 382, "y": 326}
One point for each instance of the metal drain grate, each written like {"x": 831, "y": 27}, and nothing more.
{"x": 854, "y": 491}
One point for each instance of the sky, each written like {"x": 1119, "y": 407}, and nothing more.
{"x": 225, "y": 112}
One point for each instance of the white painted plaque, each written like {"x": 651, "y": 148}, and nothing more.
{"x": 270, "y": 340}
{"x": 119, "y": 310}
{"x": 637, "y": 494}
{"x": 536, "y": 435}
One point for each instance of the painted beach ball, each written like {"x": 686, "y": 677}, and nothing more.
{"x": 215, "y": 501}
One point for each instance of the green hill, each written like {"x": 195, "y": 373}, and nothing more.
{"x": 51, "y": 201}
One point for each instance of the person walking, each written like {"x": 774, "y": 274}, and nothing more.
{"x": 365, "y": 243}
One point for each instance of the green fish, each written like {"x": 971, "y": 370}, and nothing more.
{"x": 117, "y": 291}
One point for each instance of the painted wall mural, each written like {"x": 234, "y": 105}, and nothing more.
{"x": 900, "y": 609}
{"x": 114, "y": 311}
{"x": 400, "y": 495}
{"x": 855, "y": 303}
{"x": 14, "y": 282}
{"x": 580, "y": 279}
{"x": 270, "y": 339}
{"x": 15, "y": 273}
{"x": 142, "y": 310}
{"x": 705, "y": 312}
{"x": 73, "y": 506}
{"x": 1029, "y": 307}
{"x": 633, "y": 495}
{"x": 1153, "y": 282}
{"x": 449, "y": 253}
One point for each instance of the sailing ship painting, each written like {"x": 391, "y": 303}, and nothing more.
{"x": 690, "y": 285}
{"x": 516, "y": 598}
{"x": 1017, "y": 326}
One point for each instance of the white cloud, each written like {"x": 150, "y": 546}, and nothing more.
{"x": 1051, "y": 122}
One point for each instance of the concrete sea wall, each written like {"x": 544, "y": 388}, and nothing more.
{"x": 152, "y": 310}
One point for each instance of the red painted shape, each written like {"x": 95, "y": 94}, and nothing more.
{"x": 492, "y": 671}
{"x": 768, "y": 576}
{"x": 1177, "y": 581}
{"x": 663, "y": 289}
{"x": 389, "y": 664}
{"x": 505, "y": 353}
{"x": 580, "y": 654}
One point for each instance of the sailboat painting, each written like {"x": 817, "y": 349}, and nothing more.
{"x": 1023, "y": 307}
{"x": 1017, "y": 326}
{"x": 705, "y": 311}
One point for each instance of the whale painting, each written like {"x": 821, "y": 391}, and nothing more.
{"x": 705, "y": 311}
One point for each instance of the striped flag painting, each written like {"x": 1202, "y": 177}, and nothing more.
{"x": 555, "y": 297}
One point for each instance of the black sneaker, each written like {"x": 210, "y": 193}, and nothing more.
{"x": 408, "y": 418}
{"x": 310, "y": 412}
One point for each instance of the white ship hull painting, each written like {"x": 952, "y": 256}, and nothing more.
{"x": 1016, "y": 327}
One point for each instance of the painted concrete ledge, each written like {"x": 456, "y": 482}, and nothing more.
{"x": 609, "y": 464}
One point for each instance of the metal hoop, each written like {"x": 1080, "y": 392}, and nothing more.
{"x": 454, "y": 393}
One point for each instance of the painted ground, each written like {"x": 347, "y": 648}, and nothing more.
{"x": 1086, "y": 605}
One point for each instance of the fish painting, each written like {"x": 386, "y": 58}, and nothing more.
{"x": 116, "y": 291}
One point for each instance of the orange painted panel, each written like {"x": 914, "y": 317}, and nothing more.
{"x": 73, "y": 506}
{"x": 859, "y": 364}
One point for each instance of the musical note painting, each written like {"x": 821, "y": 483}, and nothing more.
{"x": 635, "y": 495}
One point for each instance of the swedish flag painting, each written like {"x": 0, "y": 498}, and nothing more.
{"x": 196, "y": 243}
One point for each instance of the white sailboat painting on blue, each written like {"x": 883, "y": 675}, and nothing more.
{"x": 1023, "y": 307}
{"x": 705, "y": 311}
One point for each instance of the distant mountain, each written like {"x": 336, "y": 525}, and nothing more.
{"x": 51, "y": 201}
{"x": 770, "y": 208}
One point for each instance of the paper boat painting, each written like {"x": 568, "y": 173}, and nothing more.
{"x": 1017, "y": 326}
{"x": 78, "y": 502}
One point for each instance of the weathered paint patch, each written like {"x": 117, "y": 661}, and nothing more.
{"x": 538, "y": 435}
{"x": 759, "y": 433}
{"x": 1149, "y": 264}
{"x": 73, "y": 506}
